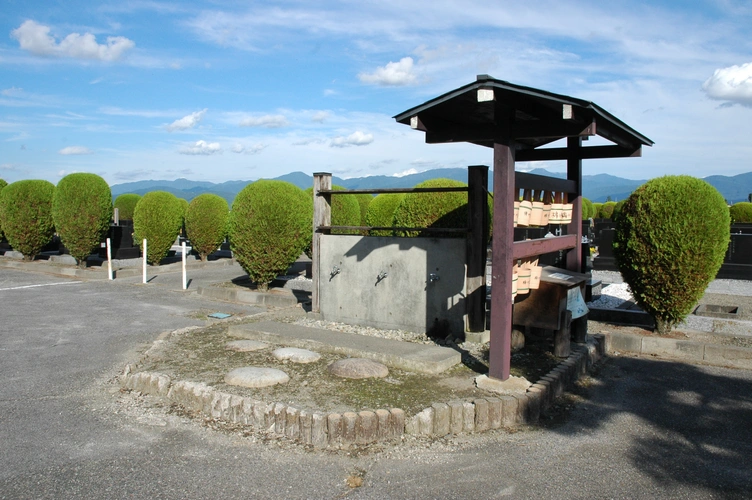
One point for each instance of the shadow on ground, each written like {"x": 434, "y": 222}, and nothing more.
{"x": 693, "y": 426}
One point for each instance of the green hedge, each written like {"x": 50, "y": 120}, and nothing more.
{"x": 157, "y": 218}
{"x": 670, "y": 240}
{"x": 436, "y": 210}
{"x": 270, "y": 225}
{"x": 81, "y": 211}
{"x": 606, "y": 211}
{"x": 741, "y": 212}
{"x": 126, "y": 204}
{"x": 364, "y": 201}
{"x": 380, "y": 212}
{"x": 345, "y": 210}
{"x": 597, "y": 209}
{"x": 2, "y": 185}
{"x": 26, "y": 215}
{"x": 206, "y": 223}
{"x": 588, "y": 211}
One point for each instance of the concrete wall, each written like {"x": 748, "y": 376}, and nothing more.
{"x": 406, "y": 299}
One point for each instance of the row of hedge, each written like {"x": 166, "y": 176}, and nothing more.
{"x": 671, "y": 233}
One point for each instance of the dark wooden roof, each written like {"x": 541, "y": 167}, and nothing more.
{"x": 492, "y": 111}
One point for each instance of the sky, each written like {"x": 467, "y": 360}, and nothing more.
{"x": 222, "y": 90}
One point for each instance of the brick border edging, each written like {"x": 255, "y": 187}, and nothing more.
{"x": 322, "y": 430}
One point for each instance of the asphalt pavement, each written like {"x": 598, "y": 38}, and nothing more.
{"x": 642, "y": 427}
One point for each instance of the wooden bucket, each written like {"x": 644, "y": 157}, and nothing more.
{"x": 536, "y": 213}
{"x": 526, "y": 206}
{"x": 523, "y": 281}
{"x": 557, "y": 207}
{"x": 566, "y": 211}
{"x": 546, "y": 215}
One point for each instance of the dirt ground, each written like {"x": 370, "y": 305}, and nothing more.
{"x": 200, "y": 355}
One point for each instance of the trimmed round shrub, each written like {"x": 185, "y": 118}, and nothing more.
{"x": 345, "y": 210}
{"x": 126, "y": 204}
{"x": 184, "y": 205}
{"x": 206, "y": 223}
{"x": 157, "y": 218}
{"x": 587, "y": 209}
{"x": 436, "y": 210}
{"x": 597, "y": 209}
{"x": 670, "y": 240}
{"x": 364, "y": 200}
{"x": 741, "y": 212}
{"x": 270, "y": 225}
{"x": 606, "y": 211}
{"x": 380, "y": 212}
{"x": 26, "y": 215}
{"x": 82, "y": 210}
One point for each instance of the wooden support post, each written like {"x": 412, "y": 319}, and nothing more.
{"x": 574, "y": 173}
{"x": 562, "y": 344}
{"x": 476, "y": 249}
{"x": 500, "y": 353}
{"x": 322, "y": 216}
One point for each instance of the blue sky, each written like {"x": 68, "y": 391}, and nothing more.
{"x": 218, "y": 91}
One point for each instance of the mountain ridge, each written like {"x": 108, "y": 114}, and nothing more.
{"x": 597, "y": 188}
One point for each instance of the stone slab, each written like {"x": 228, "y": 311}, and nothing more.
{"x": 393, "y": 353}
{"x": 684, "y": 349}
{"x": 511, "y": 385}
{"x": 624, "y": 342}
{"x": 723, "y": 355}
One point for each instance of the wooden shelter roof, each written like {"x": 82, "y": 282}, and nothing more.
{"x": 490, "y": 111}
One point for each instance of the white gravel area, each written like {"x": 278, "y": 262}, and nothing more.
{"x": 404, "y": 335}
{"x": 612, "y": 296}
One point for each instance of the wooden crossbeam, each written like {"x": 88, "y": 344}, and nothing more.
{"x": 589, "y": 153}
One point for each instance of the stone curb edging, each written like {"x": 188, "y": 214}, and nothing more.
{"x": 322, "y": 430}
{"x": 698, "y": 352}
{"x": 285, "y": 298}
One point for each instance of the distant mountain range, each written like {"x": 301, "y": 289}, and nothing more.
{"x": 597, "y": 188}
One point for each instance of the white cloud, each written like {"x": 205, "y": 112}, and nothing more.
{"x": 409, "y": 171}
{"x": 75, "y": 150}
{"x": 186, "y": 122}
{"x": 201, "y": 148}
{"x": 320, "y": 116}
{"x": 266, "y": 121}
{"x": 12, "y": 92}
{"x": 732, "y": 84}
{"x": 393, "y": 74}
{"x": 249, "y": 150}
{"x": 36, "y": 38}
{"x": 357, "y": 138}
{"x": 146, "y": 113}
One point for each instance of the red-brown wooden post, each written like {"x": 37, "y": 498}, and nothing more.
{"x": 574, "y": 173}
{"x": 322, "y": 216}
{"x": 500, "y": 353}
{"x": 476, "y": 249}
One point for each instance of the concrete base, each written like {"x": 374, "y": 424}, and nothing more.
{"x": 512, "y": 385}
{"x": 394, "y": 353}
{"x": 478, "y": 337}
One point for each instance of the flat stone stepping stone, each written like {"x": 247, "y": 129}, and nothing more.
{"x": 296, "y": 355}
{"x": 254, "y": 377}
{"x": 358, "y": 368}
{"x": 246, "y": 345}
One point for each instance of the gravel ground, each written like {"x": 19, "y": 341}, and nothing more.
{"x": 725, "y": 287}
